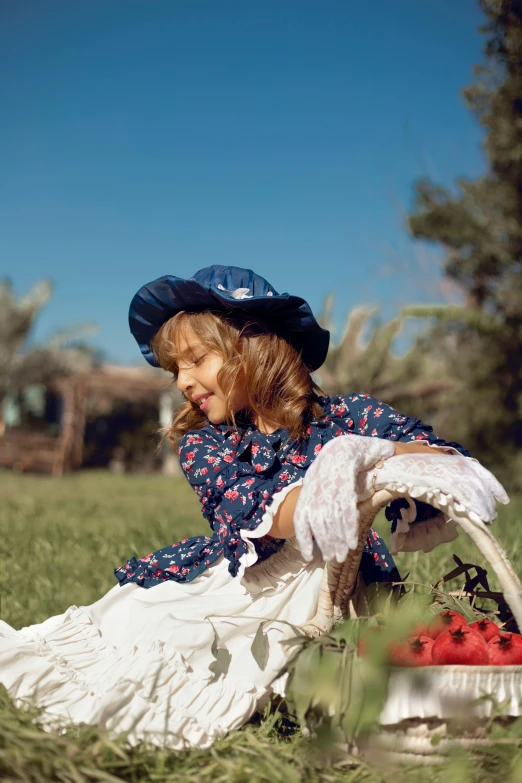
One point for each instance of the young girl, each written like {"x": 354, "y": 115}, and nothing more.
{"x": 166, "y": 654}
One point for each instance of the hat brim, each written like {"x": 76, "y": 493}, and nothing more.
{"x": 288, "y": 316}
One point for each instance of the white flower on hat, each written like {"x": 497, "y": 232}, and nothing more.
{"x": 239, "y": 293}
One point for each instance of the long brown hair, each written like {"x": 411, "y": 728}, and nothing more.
{"x": 277, "y": 383}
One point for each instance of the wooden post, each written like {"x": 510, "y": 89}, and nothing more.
{"x": 170, "y": 463}
{"x": 79, "y": 424}
{"x": 62, "y": 461}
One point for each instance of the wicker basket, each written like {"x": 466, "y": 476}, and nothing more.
{"x": 424, "y": 706}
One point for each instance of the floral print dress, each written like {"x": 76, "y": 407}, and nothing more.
{"x": 236, "y": 474}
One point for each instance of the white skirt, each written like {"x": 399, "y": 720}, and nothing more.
{"x": 172, "y": 664}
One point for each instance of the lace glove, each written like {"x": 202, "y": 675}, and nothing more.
{"x": 327, "y": 506}
{"x": 417, "y": 511}
{"x": 434, "y": 476}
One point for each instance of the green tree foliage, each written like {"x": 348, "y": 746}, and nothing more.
{"x": 479, "y": 225}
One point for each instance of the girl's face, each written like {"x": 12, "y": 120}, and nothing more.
{"x": 198, "y": 369}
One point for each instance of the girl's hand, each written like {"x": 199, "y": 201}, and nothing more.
{"x": 326, "y": 508}
{"x": 469, "y": 483}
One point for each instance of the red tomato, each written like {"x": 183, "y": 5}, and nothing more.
{"x": 486, "y": 628}
{"x": 462, "y": 646}
{"x": 505, "y": 650}
{"x": 445, "y": 621}
{"x": 416, "y": 651}
{"x": 419, "y": 630}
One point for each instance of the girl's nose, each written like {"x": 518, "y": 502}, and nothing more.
{"x": 184, "y": 381}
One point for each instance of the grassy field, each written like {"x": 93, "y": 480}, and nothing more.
{"x": 60, "y": 541}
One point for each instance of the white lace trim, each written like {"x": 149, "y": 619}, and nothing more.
{"x": 280, "y": 567}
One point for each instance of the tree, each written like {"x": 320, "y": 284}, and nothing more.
{"x": 479, "y": 225}
{"x": 363, "y": 360}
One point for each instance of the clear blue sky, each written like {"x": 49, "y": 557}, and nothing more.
{"x": 144, "y": 138}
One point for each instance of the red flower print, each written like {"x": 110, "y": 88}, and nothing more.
{"x": 191, "y": 455}
{"x": 259, "y": 468}
{"x": 284, "y": 476}
{"x": 374, "y": 432}
{"x": 249, "y": 481}
{"x": 228, "y": 458}
{"x": 204, "y": 470}
{"x": 378, "y": 412}
{"x": 363, "y": 422}
{"x": 231, "y": 494}
{"x": 211, "y": 460}
{"x": 173, "y": 569}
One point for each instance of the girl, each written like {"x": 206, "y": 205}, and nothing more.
{"x": 166, "y": 654}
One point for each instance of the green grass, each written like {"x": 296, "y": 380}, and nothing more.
{"x": 60, "y": 541}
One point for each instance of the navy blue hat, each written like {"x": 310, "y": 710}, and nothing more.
{"x": 231, "y": 290}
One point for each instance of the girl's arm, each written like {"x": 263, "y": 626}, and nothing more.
{"x": 283, "y": 524}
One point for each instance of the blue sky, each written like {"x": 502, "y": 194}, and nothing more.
{"x": 146, "y": 138}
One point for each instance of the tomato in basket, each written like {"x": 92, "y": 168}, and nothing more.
{"x": 445, "y": 621}
{"x": 415, "y": 651}
{"x": 505, "y": 650}
{"x": 486, "y": 628}
{"x": 462, "y": 646}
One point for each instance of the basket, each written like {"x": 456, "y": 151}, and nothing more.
{"x": 423, "y": 706}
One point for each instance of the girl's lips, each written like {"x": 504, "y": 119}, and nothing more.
{"x": 204, "y": 404}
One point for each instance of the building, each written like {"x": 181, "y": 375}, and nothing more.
{"x": 78, "y": 400}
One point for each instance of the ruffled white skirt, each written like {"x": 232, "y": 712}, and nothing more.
{"x": 176, "y": 664}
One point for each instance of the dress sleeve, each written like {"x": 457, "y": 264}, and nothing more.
{"x": 234, "y": 494}
{"x": 379, "y": 420}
